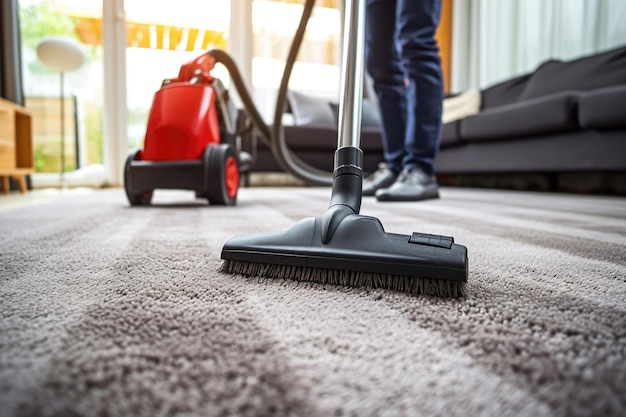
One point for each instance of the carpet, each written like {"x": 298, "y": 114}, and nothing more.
{"x": 108, "y": 310}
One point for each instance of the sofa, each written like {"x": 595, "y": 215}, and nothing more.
{"x": 566, "y": 119}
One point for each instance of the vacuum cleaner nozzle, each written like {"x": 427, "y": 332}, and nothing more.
{"x": 360, "y": 253}
{"x": 343, "y": 247}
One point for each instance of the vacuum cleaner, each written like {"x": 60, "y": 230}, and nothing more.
{"x": 191, "y": 135}
{"x": 343, "y": 247}
{"x": 190, "y": 140}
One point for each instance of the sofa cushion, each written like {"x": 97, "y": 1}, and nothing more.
{"x": 542, "y": 115}
{"x": 321, "y": 138}
{"x": 587, "y": 73}
{"x": 450, "y": 134}
{"x": 461, "y": 105}
{"x": 369, "y": 113}
{"x": 603, "y": 108}
{"x": 310, "y": 110}
{"x": 503, "y": 93}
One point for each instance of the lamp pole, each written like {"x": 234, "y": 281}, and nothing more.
{"x": 63, "y": 185}
{"x": 61, "y": 54}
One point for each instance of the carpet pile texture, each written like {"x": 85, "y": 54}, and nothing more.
{"x": 108, "y": 310}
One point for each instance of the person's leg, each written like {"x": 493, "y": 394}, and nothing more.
{"x": 383, "y": 66}
{"x": 419, "y": 54}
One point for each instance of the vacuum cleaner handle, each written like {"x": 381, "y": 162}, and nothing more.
{"x": 350, "y": 104}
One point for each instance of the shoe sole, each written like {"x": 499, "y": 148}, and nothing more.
{"x": 424, "y": 196}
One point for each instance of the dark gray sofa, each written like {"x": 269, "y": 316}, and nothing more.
{"x": 566, "y": 117}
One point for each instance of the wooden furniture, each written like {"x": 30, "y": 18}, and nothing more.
{"x": 16, "y": 145}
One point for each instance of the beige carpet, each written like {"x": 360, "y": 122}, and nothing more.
{"x": 108, "y": 310}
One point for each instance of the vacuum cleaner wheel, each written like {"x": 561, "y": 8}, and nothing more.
{"x": 222, "y": 174}
{"x": 142, "y": 199}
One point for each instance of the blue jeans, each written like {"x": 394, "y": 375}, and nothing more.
{"x": 402, "y": 58}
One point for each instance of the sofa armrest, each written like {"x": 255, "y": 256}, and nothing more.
{"x": 604, "y": 108}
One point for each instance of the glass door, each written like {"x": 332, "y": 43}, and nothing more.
{"x": 78, "y": 124}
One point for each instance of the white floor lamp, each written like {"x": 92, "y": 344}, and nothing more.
{"x": 63, "y": 54}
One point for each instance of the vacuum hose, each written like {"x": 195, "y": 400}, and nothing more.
{"x": 275, "y": 137}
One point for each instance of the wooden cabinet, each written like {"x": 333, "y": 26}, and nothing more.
{"x": 16, "y": 145}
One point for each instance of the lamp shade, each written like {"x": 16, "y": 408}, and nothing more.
{"x": 60, "y": 53}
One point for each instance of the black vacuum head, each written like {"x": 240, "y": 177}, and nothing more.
{"x": 359, "y": 253}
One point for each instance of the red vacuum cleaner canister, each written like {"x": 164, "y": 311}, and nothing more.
{"x": 182, "y": 122}
{"x": 190, "y": 140}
